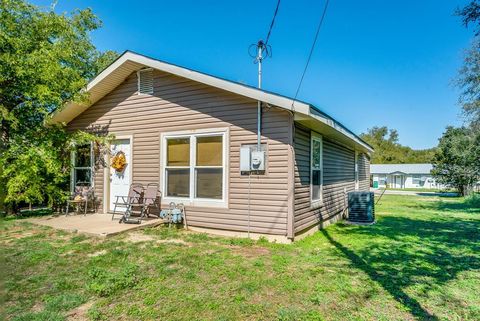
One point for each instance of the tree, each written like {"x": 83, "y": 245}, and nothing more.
{"x": 456, "y": 161}
{"x": 389, "y": 151}
{"x": 471, "y": 15}
{"x": 469, "y": 76}
{"x": 45, "y": 61}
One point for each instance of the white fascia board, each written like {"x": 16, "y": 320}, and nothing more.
{"x": 339, "y": 128}
{"x": 240, "y": 89}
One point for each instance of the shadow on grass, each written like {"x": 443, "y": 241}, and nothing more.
{"x": 28, "y": 214}
{"x": 470, "y": 205}
{"x": 407, "y": 252}
{"x": 439, "y": 194}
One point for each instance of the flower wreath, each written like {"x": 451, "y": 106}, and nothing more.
{"x": 119, "y": 161}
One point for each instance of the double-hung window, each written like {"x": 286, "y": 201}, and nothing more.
{"x": 316, "y": 169}
{"x": 194, "y": 167}
{"x": 82, "y": 162}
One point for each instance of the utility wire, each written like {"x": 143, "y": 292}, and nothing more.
{"x": 311, "y": 50}
{"x": 273, "y": 21}
{"x": 265, "y": 47}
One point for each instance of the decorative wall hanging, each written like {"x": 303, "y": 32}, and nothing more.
{"x": 119, "y": 161}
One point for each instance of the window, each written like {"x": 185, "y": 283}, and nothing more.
{"x": 145, "y": 81}
{"x": 178, "y": 167}
{"x": 82, "y": 160}
{"x": 416, "y": 179}
{"x": 194, "y": 166}
{"x": 316, "y": 166}
{"x": 357, "y": 182}
{"x": 382, "y": 179}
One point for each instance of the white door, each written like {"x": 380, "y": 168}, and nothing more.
{"x": 398, "y": 181}
{"x": 120, "y": 181}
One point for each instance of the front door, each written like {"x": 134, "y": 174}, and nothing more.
{"x": 398, "y": 181}
{"x": 120, "y": 180}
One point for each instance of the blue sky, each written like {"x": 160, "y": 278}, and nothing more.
{"x": 376, "y": 62}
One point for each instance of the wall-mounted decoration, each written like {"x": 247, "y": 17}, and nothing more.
{"x": 119, "y": 161}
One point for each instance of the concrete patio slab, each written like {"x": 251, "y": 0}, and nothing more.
{"x": 92, "y": 224}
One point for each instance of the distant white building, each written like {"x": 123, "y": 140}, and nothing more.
{"x": 403, "y": 176}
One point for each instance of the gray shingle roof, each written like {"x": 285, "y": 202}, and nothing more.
{"x": 403, "y": 168}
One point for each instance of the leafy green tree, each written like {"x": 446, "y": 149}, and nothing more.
{"x": 45, "y": 61}
{"x": 389, "y": 151}
{"x": 469, "y": 76}
{"x": 457, "y": 160}
{"x": 471, "y": 15}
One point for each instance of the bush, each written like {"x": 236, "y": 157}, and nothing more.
{"x": 473, "y": 200}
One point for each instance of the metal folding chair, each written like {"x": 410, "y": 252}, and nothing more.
{"x": 134, "y": 197}
{"x": 150, "y": 200}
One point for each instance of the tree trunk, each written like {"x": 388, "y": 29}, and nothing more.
{"x": 465, "y": 190}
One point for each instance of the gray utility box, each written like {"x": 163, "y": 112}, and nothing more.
{"x": 361, "y": 207}
{"x": 251, "y": 159}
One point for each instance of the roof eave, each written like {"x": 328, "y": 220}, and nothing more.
{"x": 99, "y": 87}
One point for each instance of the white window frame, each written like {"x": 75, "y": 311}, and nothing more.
{"x": 74, "y": 168}
{"x": 138, "y": 81}
{"x": 314, "y": 203}
{"x": 193, "y": 134}
{"x": 417, "y": 177}
{"x": 357, "y": 177}
{"x": 384, "y": 178}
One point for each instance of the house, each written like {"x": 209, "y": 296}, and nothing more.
{"x": 403, "y": 176}
{"x": 185, "y": 130}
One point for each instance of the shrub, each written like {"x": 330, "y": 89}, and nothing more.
{"x": 473, "y": 200}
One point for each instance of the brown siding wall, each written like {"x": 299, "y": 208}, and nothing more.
{"x": 338, "y": 177}
{"x": 180, "y": 104}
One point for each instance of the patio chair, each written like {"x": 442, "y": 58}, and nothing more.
{"x": 134, "y": 197}
{"x": 83, "y": 196}
{"x": 148, "y": 201}
{"x": 151, "y": 200}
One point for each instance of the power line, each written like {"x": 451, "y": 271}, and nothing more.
{"x": 273, "y": 21}
{"x": 265, "y": 47}
{"x": 311, "y": 50}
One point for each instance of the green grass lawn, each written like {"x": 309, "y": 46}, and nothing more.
{"x": 421, "y": 261}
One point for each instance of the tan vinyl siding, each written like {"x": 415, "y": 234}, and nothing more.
{"x": 338, "y": 177}
{"x": 179, "y": 104}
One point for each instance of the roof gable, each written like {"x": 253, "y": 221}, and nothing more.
{"x": 130, "y": 62}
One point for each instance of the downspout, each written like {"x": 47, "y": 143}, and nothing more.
{"x": 291, "y": 179}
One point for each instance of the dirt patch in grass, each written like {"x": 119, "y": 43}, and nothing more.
{"x": 37, "y": 307}
{"x": 174, "y": 241}
{"x": 80, "y": 313}
{"x": 139, "y": 237}
{"x": 249, "y": 251}
{"x": 98, "y": 253}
